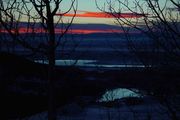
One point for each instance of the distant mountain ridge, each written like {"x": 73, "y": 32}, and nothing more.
{"x": 76, "y": 26}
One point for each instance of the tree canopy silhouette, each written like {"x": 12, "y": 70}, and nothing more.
{"x": 43, "y": 12}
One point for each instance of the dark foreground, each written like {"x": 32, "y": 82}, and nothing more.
{"x": 24, "y": 84}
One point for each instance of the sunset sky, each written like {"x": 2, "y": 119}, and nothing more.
{"x": 85, "y": 6}
{"x": 90, "y": 6}
{"x": 88, "y": 13}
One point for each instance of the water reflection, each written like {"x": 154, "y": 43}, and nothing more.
{"x": 118, "y": 93}
{"x": 90, "y": 63}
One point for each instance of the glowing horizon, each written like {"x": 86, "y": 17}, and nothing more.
{"x": 59, "y": 31}
{"x": 103, "y": 15}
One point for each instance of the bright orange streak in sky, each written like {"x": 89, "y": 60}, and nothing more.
{"x": 59, "y": 31}
{"x": 105, "y": 15}
{"x": 79, "y": 31}
{"x": 70, "y": 31}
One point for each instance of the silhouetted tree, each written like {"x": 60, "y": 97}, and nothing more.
{"x": 12, "y": 12}
{"x": 158, "y": 20}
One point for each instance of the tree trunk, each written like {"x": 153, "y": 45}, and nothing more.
{"x": 51, "y": 78}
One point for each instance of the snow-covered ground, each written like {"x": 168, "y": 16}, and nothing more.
{"x": 120, "y": 107}
{"x": 95, "y": 112}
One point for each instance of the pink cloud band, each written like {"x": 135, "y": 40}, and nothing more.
{"x": 59, "y": 31}
{"x": 104, "y": 15}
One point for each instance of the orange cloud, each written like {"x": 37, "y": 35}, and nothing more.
{"x": 105, "y": 15}
{"x": 59, "y": 31}
{"x": 24, "y": 30}
{"x": 85, "y": 31}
